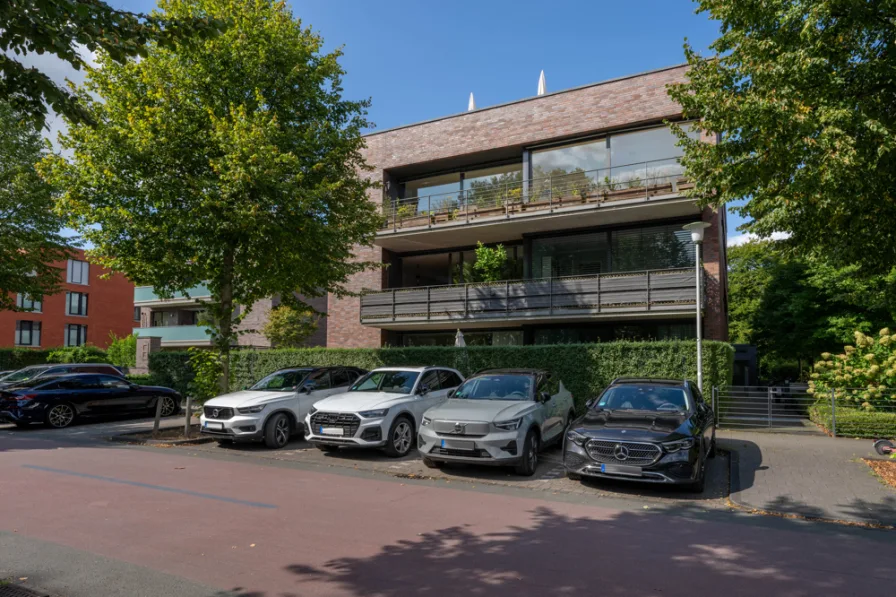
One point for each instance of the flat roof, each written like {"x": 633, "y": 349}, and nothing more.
{"x": 525, "y": 99}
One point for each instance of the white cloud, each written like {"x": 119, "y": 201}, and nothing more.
{"x": 741, "y": 239}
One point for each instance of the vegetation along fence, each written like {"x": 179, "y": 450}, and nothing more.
{"x": 846, "y": 412}
{"x": 585, "y": 369}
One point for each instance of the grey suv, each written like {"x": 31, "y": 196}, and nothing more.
{"x": 497, "y": 417}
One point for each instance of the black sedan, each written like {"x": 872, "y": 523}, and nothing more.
{"x": 649, "y": 430}
{"x": 59, "y": 401}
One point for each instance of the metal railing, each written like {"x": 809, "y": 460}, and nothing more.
{"x": 595, "y": 187}
{"x": 849, "y": 412}
{"x": 636, "y": 292}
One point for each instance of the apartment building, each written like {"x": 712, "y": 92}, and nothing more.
{"x": 87, "y": 308}
{"x": 584, "y": 190}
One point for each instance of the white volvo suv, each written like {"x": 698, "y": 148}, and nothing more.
{"x": 273, "y": 409}
{"x": 383, "y": 409}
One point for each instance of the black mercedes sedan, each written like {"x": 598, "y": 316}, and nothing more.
{"x": 60, "y": 401}
{"x": 648, "y": 430}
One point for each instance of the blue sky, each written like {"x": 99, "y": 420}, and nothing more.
{"x": 420, "y": 59}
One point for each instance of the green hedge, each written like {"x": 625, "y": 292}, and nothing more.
{"x": 855, "y": 422}
{"x": 16, "y": 358}
{"x": 585, "y": 369}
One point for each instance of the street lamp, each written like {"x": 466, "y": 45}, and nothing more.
{"x": 696, "y": 229}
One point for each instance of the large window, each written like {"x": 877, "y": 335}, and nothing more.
{"x": 481, "y": 186}
{"x": 471, "y": 338}
{"x": 586, "y": 157}
{"x": 455, "y": 267}
{"x": 75, "y": 335}
{"x": 590, "y": 334}
{"x": 26, "y": 303}
{"x": 78, "y": 272}
{"x": 665, "y": 246}
{"x": 27, "y": 333}
{"x": 76, "y": 303}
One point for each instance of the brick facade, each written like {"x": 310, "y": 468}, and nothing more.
{"x": 593, "y": 109}
{"x": 110, "y": 308}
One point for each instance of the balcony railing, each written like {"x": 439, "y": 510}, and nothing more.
{"x": 145, "y": 294}
{"x": 547, "y": 194}
{"x": 181, "y": 334}
{"x": 624, "y": 292}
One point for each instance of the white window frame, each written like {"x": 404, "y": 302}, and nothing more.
{"x": 78, "y": 272}
{"x": 81, "y": 304}
{"x": 81, "y": 334}
{"x": 33, "y": 333}
{"x": 25, "y": 302}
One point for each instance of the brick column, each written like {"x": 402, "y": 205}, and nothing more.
{"x": 145, "y": 346}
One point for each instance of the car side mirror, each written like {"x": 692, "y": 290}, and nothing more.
{"x": 451, "y": 393}
{"x": 306, "y": 389}
{"x": 424, "y": 390}
{"x": 590, "y": 402}
{"x": 545, "y": 397}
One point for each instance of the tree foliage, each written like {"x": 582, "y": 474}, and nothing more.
{"x": 122, "y": 352}
{"x": 802, "y": 93}
{"x": 289, "y": 327}
{"x": 29, "y": 228}
{"x": 66, "y": 28}
{"x": 490, "y": 263}
{"x": 795, "y": 308}
{"x": 862, "y": 375}
{"x": 234, "y": 161}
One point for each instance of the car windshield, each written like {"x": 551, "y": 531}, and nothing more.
{"x": 282, "y": 381}
{"x": 644, "y": 397}
{"x": 496, "y": 387}
{"x": 23, "y": 374}
{"x": 394, "y": 382}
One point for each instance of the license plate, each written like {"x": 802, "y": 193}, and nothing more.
{"x": 453, "y": 444}
{"x": 210, "y": 425}
{"x": 330, "y": 431}
{"x": 621, "y": 469}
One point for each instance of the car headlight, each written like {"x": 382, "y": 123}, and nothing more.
{"x": 576, "y": 437}
{"x": 682, "y": 444}
{"x": 312, "y": 411}
{"x": 374, "y": 414}
{"x": 508, "y": 425}
{"x": 251, "y": 410}
{"x": 426, "y": 422}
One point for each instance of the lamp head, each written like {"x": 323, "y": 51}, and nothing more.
{"x": 696, "y": 229}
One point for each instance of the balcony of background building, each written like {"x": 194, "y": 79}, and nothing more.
{"x": 177, "y": 335}
{"x": 666, "y": 293}
{"x": 145, "y": 296}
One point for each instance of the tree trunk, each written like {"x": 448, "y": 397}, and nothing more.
{"x": 225, "y": 321}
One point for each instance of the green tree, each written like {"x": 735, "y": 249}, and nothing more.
{"x": 490, "y": 263}
{"x": 289, "y": 327}
{"x": 28, "y": 226}
{"x": 802, "y": 93}
{"x": 66, "y": 28}
{"x": 122, "y": 352}
{"x": 234, "y": 162}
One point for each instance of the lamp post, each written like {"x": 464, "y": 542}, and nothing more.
{"x": 697, "y": 229}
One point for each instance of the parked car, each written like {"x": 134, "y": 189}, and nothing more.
{"x": 650, "y": 430}
{"x": 5, "y": 373}
{"x": 60, "y": 401}
{"x": 52, "y": 370}
{"x": 273, "y": 410}
{"x": 499, "y": 417}
{"x": 383, "y": 409}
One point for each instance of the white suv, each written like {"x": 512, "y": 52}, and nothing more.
{"x": 383, "y": 409}
{"x": 273, "y": 409}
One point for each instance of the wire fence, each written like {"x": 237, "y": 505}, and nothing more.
{"x": 844, "y": 412}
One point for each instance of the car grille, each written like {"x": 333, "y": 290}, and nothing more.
{"x": 460, "y": 428}
{"x": 634, "y": 453}
{"x": 347, "y": 421}
{"x": 218, "y": 412}
{"x": 462, "y": 453}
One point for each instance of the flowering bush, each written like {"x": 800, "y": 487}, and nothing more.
{"x": 863, "y": 375}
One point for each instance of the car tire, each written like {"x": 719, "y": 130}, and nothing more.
{"x": 61, "y": 415}
{"x": 327, "y": 448}
{"x": 529, "y": 459}
{"x": 699, "y": 485}
{"x": 712, "y": 446}
{"x": 401, "y": 437}
{"x": 430, "y": 463}
{"x": 573, "y": 476}
{"x": 170, "y": 407}
{"x": 224, "y": 442}
{"x": 277, "y": 431}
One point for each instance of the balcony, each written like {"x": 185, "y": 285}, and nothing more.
{"x": 145, "y": 296}
{"x": 661, "y": 293}
{"x": 506, "y": 211}
{"x": 177, "y": 335}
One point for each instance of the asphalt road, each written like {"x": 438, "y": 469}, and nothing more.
{"x": 101, "y": 519}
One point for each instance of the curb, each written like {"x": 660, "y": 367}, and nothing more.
{"x": 129, "y": 438}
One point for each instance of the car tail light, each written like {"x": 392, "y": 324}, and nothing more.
{"x": 26, "y": 397}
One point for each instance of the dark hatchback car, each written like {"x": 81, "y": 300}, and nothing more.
{"x": 648, "y": 430}
{"x": 34, "y": 372}
{"x": 59, "y": 401}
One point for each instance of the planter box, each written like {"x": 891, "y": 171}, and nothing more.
{"x": 487, "y": 212}
{"x": 414, "y": 221}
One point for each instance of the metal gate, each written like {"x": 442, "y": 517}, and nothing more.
{"x": 777, "y": 408}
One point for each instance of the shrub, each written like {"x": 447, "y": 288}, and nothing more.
{"x": 144, "y": 379}
{"x": 585, "y": 369}
{"x": 78, "y": 354}
{"x": 16, "y": 358}
{"x": 862, "y": 376}
{"x": 206, "y": 366}
{"x": 122, "y": 352}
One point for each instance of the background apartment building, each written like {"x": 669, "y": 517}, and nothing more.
{"x": 86, "y": 310}
{"x": 583, "y": 188}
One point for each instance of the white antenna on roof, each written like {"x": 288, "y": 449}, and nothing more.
{"x": 471, "y": 105}
{"x": 542, "y": 86}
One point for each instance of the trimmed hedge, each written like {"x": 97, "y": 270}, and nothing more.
{"x": 855, "y": 422}
{"x": 585, "y": 369}
{"x": 16, "y": 358}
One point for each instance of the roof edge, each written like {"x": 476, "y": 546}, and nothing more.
{"x": 525, "y": 99}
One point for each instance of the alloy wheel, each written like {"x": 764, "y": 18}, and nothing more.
{"x": 401, "y": 438}
{"x": 533, "y": 454}
{"x": 281, "y": 431}
{"x": 61, "y": 415}
{"x": 167, "y": 406}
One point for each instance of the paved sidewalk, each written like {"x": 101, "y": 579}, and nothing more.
{"x": 811, "y": 476}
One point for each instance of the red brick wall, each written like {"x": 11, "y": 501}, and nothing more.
{"x": 344, "y": 329}
{"x": 110, "y": 308}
